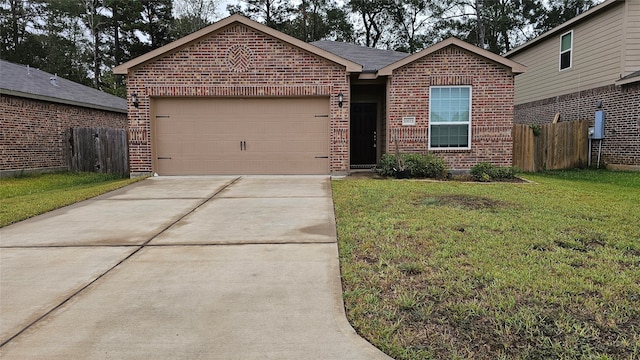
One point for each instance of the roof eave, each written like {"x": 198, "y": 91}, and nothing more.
{"x": 628, "y": 81}
{"x": 591, "y": 12}
{"x": 516, "y": 68}
{"x": 123, "y": 69}
{"x": 61, "y": 101}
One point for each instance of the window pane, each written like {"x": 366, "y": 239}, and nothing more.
{"x": 449, "y": 136}
{"x": 450, "y": 104}
{"x": 566, "y": 42}
{"x": 565, "y": 60}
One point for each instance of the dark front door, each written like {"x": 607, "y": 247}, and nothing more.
{"x": 363, "y": 134}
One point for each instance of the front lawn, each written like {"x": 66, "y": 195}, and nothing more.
{"x": 27, "y": 196}
{"x": 451, "y": 270}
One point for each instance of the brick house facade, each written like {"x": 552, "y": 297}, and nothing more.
{"x": 35, "y": 133}
{"x": 203, "y": 70}
{"x": 238, "y": 58}
{"x": 37, "y": 112}
{"x": 621, "y": 146}
{"x": 491, "y": 108}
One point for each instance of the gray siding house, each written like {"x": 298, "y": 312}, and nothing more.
{"x": 591, "y": 58}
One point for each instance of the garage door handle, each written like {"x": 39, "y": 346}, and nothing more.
{"x": 164, "y": 158}
{"x": 243, "y": 145}
{"x": 322, "y": 157}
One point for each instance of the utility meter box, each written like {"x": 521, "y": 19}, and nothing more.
{"x": 598, "y": 128}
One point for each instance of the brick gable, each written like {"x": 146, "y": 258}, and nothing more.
{"x": 236, "y": 61}
{"x": 491, "y": 113}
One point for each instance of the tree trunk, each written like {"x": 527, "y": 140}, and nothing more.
{"x": 480, "y": 25}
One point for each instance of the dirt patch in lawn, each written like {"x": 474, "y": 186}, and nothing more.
{"x": 466, "y": 202}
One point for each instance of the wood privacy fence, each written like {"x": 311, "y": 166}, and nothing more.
{"x": 99, "y": 150}
{"x": 563, "y": 145}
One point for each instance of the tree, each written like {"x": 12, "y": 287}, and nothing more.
{"x": 95, "y": 20}
{"x": 273, "y": 13}
{"x": 560, "y": 11}
{"x": 18, "y": 42}
{"x": 156, "y": 22}
{"x": 375, "y": 18}
{"x": 314, "y": 20}
{"x": 192, "y": 15}
{"x": 61, "y": 36}
{"x": 496, "y": 24}
{"x": 339, "y": 26}
{"x": 410, "y": 18}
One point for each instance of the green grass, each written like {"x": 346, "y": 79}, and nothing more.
{"x": 450, "y": 270}
{"x": 27, "y": 196}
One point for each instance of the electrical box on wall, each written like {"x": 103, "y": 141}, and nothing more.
{"x": 598, "y": 128}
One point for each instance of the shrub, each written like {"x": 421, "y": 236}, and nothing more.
{"x": 485, "y": 171}
{"x": 387, "y": 165}
{"x": 417, "y": 165}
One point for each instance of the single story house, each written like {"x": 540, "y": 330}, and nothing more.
{"x": 37, "y": 110}
{"x": 238, "y": 97}
{"x": 588, "y": 63}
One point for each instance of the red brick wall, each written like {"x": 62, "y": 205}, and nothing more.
{"x": 621, "y": 145}
{"x": 33, "y": 133}
{"x": 263, "y": 66}
{"x": 492, "y": 110}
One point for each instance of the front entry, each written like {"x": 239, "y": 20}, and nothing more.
{"x": 363, "y": 137}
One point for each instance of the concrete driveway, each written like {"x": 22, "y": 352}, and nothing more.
{"x": 180, "y": 267}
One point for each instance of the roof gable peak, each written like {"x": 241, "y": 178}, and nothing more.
{"x": 515, "y": 67}
{"x": 123, "y": 69}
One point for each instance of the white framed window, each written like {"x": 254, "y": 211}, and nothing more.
{"x": 450, "y": 117}
{"x": 566, "y": 50}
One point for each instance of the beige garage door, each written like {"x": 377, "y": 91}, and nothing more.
{"x": 241, "y": 136}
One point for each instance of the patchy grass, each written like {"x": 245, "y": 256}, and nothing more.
{"x": 26, "y": 196}
{"x": 454, "y": 270}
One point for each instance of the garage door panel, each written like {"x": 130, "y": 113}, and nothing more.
{"x": 242, "y": 136}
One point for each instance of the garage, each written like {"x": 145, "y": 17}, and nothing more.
{"x": 223, "y": 136}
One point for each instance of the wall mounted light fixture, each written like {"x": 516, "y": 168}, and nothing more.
{"x": 340, "y": 99}
{"x": 134, "y": 100}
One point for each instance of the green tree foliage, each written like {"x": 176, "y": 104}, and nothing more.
{"x": 560, "y": 11}
{"x": 375, "y": 18}
{"x": 410, "y": 18}
{"x": 192, "y": 15}
{"x": 314, "y": 20}
{"x": 496, "y": 25}
{"x": 156, "y": 23}
{"x": 83, "y": 40}
{"x": 18, "y": 40}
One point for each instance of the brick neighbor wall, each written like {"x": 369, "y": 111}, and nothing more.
{"x": 492, "y": 91}
{"x": 621, "y": 145}
{"x": 33, "y": 133}
{"x": 237, "y": 61}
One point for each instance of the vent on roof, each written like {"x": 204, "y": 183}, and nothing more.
{"x": 54, "y": 80}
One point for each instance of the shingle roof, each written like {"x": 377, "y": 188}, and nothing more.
{"x": 371, "y": 59}
{"x": 20, "y": 80}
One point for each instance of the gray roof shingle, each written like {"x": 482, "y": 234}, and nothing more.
{"x": 19, "y": 80}
{"x": 371, "y": 59}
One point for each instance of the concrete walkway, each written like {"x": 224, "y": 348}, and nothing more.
{"x": 180, "y": 267}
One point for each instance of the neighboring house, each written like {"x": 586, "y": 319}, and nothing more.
{"x": 238, "y": 97}
{"x": 591, "y": 58}
{"x": 37, "y": 111}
